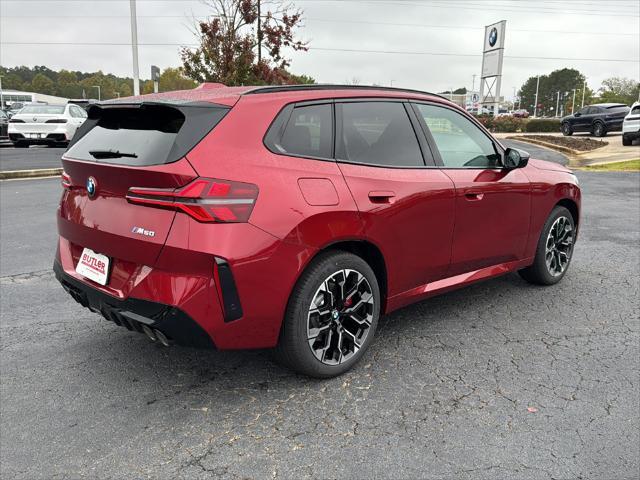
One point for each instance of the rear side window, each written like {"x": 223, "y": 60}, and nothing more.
{"x": 378, "y": 133}
{"x": 309, "y": 132}
{"x": 140, "y": 135}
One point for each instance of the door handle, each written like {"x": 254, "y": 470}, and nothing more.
{"x": 381, "y": 196}
{"x": 473, "y": 196}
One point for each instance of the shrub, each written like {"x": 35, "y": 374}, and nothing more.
{"x": 538, "y": 125}
{"x": 501, "y": 124}
{"x": 507, "y": 124}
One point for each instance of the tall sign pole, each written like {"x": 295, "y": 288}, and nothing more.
{"x": 492, "y": 57}
{"x": 134, "y": 47}
{"x": 155, "y": 76}
{"x": 535, "y": 106}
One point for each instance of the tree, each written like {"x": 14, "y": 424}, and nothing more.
{"x": 42, "y": 84}
{"x": 563, "y": 81}
{"x": 619, "y": 90}
{"x": 233, "y": 39}
{"x": 171, "y": 79}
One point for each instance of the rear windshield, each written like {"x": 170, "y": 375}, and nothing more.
{"x": 46, "y": 109}
{"x": 147, "y": 134}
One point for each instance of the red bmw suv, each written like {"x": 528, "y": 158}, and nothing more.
{"x": 294, "y": 216}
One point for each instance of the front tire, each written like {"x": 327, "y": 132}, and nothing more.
{"x": 599, "y": 130}
{"x": 331, "y": 317}
{"x": 554, "y": 251}
{"x": 626, "y": 141}
{"x": 567, "y": 131}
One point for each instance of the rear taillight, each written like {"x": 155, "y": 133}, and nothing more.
{"x": 57, "y": 120}
{"x": 205, "y": 199}
{"x": 65, "y": 180}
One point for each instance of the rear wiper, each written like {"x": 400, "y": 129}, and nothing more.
{"x": 110, "y": 154}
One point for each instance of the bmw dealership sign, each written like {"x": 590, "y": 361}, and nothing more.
{"x": 492, "y": 56}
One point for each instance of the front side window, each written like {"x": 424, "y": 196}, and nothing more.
{"x": 378, "y": 133}
{"x": 460, "y": 142}
{"x": 309, "y": 132}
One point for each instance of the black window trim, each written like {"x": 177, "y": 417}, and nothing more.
{"x": 404, "y": 101}
{"x": 281, "y": 120}
{"x": 434, "y": 148}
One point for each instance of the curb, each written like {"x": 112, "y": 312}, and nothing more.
{"x": 552, "y": 146}
{"x": 36, "y": 173}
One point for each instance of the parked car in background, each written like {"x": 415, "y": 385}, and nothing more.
{"x": 521, "y": 113}
{"x": 295, "y": 216}
{"x": 50, "y": 125}
{"x": 631, "y": 125}
{"x": 598, "y": 119}
{"x": 4, "y": 127}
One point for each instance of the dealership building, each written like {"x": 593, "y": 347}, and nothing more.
{"x": 16, "y": 96}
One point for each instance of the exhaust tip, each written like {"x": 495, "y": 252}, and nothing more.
{"x": 149, "y": 333}
{"x": 162, "y": 338}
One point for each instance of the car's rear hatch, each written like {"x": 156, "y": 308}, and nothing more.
{"x": 123, "y": 146}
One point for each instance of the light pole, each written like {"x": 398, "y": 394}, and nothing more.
{"x": 98, "y": 87}
{"x": 557, "y": 103}
{"x": 1, "y": 97}
{"x": 573, "y": 103}
{"x": 535, "y": 106}
{"x": 134, "y": 48}
{"x": 584, "y": 87}
{"x": 473, "y": 83}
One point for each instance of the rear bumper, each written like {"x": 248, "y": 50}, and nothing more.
{"x": 134, "y": 313}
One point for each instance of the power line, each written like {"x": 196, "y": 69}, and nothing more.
{"x": 351, "y": 50}
{"x": 327, "y": 20}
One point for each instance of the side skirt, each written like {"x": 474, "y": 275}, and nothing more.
{"x": 453, "y": 283}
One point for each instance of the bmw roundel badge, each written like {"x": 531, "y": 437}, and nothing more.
{"x": 493, "y": 37}
{"x": 91, "y": 187}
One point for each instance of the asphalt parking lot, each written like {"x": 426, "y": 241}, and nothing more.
{"x": 502, "y": 380}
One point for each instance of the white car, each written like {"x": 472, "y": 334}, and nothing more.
{"x": 631, "y": 125}
{"x": 45, "y": 124}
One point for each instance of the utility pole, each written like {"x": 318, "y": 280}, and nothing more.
{"x": 98, "y": 87}
{"x": 134, "y": 48}
{"x": 451, "y": 93}
{"x": 259, "y": 34}
{"x": 1, "y": 97}
{"x": 557, "y": 103}
{"x": 573, "y": 104}
{"x": 473, "y": 83}
{"x": 584, "y": 87}
{"x": 535, "y": 106}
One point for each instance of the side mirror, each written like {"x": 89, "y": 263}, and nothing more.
{"x": 577, "y": 114}
{"x": 515, "y": 158}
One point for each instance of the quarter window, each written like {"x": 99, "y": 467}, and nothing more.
{"x": 378, "y": 133}
{"x": 460, "y": 142}
{"x": 309, "y": 132}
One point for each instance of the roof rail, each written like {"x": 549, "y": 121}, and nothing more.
{"x": 314, "y": 86}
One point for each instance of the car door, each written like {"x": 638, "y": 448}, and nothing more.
{"x": 78, "y": 116}
{"x": 582, "y": 122}
{"x": 493, "y": 204}
{"x": 405, "y": 201}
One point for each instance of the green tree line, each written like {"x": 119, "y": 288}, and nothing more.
{"x": 75, "y": 84}
{"x": 566, "y": 81}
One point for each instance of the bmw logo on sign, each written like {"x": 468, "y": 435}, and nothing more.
{"x": 91, "y": 187}
{"x": 493, "y": 37}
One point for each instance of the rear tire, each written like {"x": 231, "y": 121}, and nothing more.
{"x": 599, "y": 130}
{"x": 566, "y": 129}
{"x": 626, "y": 141}
{"x": 21, "y": 145}
{"x": 330, "y": 323}
{"x": 554, "y": 251}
